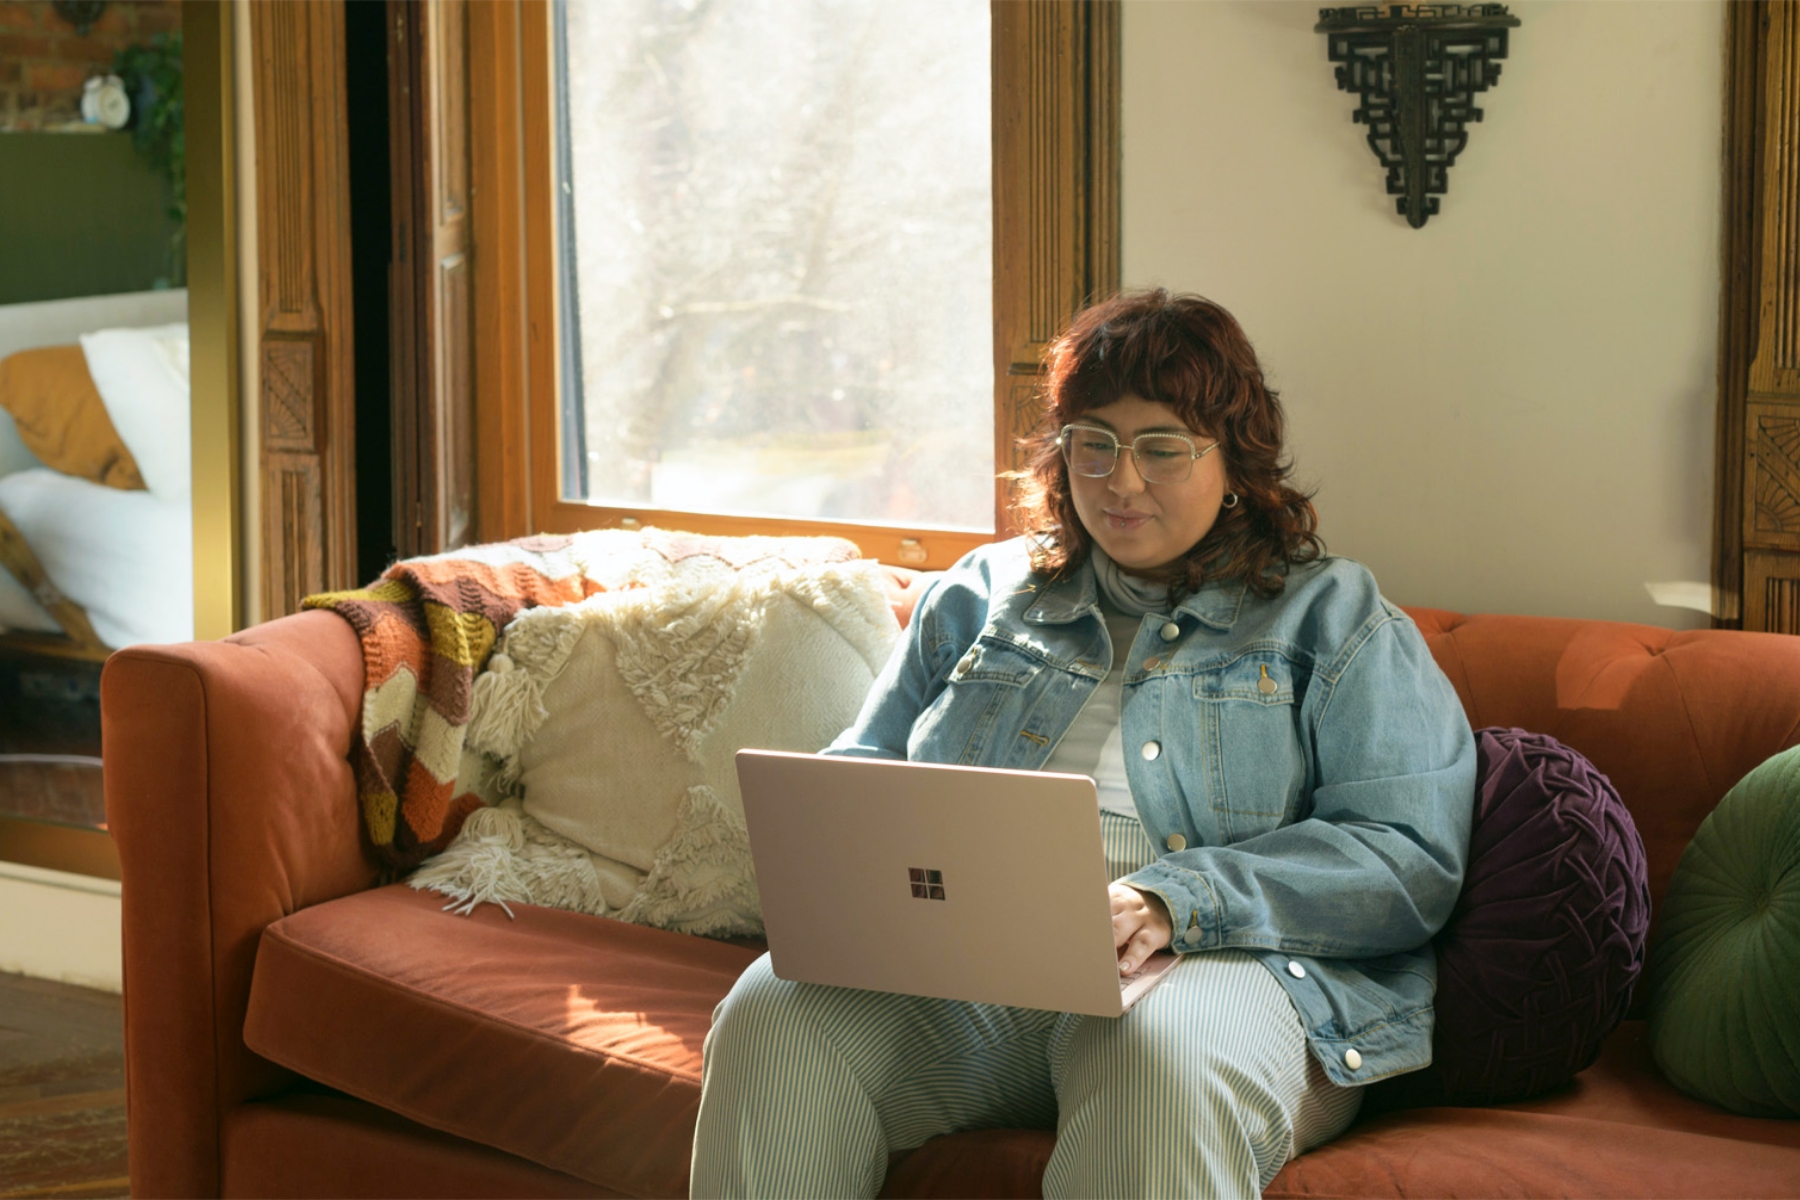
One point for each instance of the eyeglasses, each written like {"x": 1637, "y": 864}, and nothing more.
{"x": 1160, "y": 457}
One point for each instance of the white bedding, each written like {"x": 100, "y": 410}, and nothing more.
{"x": 125, "y": 557}
{"x": 142, "y": 378}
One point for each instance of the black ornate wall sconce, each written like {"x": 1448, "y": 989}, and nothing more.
{"x": 1416, "y": 68}
{"x": 80, "y": 13}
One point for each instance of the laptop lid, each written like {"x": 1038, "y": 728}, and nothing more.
{"x": 965, "y": 883}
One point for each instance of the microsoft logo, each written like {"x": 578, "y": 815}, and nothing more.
{"x": 926, "y": 884}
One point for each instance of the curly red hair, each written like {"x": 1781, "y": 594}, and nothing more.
{"x": 1190, "y": 354}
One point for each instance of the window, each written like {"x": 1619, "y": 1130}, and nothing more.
{"x": 776, "y": 285}
{"x": 763, "y": 361}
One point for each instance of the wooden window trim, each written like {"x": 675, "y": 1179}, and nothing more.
{"x": 1056, "y": 237}
{"x": 434, "y": 485}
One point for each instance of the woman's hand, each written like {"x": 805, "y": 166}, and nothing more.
{"x": 1141, "y": 925}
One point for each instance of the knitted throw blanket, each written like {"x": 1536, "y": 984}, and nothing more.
{"x": 427, "y": 628}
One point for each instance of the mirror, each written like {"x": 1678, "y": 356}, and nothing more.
{"x": 96, "y": 525}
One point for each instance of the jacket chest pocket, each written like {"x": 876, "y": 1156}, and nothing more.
{"x": 988, "y": 697}
{"x": 1250, "y": 715}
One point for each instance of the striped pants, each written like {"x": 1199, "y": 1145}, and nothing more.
{"x": 1205, "y": 1088}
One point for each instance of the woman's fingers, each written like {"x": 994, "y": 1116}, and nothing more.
{"x": 1140, "y": 926}
{"x": 1141, "y": 946}
{"x": 1133, "y": 936}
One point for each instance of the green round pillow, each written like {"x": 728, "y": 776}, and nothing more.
{"x": 1725, "y": 971}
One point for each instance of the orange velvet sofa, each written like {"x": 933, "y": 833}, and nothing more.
{"x": 293, "y": 1029}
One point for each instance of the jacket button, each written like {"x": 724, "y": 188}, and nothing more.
{"x": 1151, "y": 751}
{"x": 1352, "y": 1059}
{"x": 965, "y": 666}
{"x": 1170, "y": 631}
{"x": 1299, "y": 972}
{"x": 1176, "y": 842}
{"x": 1150, "y": 664}
{"x": 1192, "y": 936}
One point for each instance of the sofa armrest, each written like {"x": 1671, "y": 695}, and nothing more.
{"x": 230, "y": 795}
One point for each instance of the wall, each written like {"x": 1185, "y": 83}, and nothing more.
{"x": 81, "y": 214}
{"x": 44, "y": 60}
{"x": 1509, "y": 410}
{"x": 54, "y": 925}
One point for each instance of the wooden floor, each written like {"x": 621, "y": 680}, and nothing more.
{"x": 62, "y": 1091}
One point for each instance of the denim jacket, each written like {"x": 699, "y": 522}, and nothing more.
{"x": 1303, "y": 759}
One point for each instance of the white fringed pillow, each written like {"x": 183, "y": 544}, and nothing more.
{"x": 614, "y": 723}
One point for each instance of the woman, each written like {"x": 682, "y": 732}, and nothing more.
{"x": 1286, "y": 782}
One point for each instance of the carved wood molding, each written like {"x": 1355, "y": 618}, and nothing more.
{"x": 1776, "y": 368}
{"x": 1772, "y": 591}
{"x": 1772, "y": 501}
{"x": 293, "y": 519}
{"x": 1757, "y": 530}
{"x": 1743, "y": 123}
{"x": 305, "y": 409}
{"x": 290, "y": 388}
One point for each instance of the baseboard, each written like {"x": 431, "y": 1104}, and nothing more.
{"x": 61, "y": 926}
{"x": 79, "y": 850}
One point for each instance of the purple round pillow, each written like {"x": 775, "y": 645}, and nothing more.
{"x": 1537, "y": 962}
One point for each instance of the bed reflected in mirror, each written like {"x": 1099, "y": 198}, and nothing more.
{"x": 96, "y": 524}
{"x": 95, "y": 527}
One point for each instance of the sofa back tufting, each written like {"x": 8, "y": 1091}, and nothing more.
{"x": 1672, "y": 719}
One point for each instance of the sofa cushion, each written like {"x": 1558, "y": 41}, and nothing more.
{"x": 1537, "y": 962}
{"x": 1616, "y": 1130}
{"x": 1725, "y": 1001}
{"x": 567, "y": 1039}
{"x": 617, "y": 720}
{"x": 316, "y": 1142}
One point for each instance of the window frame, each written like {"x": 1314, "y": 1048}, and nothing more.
{"x": 1056, "y": 236}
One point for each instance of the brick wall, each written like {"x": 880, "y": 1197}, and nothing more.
{"x": 44, "y": 61}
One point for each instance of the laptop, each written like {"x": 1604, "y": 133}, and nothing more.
{"x": 963, "y": 883}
